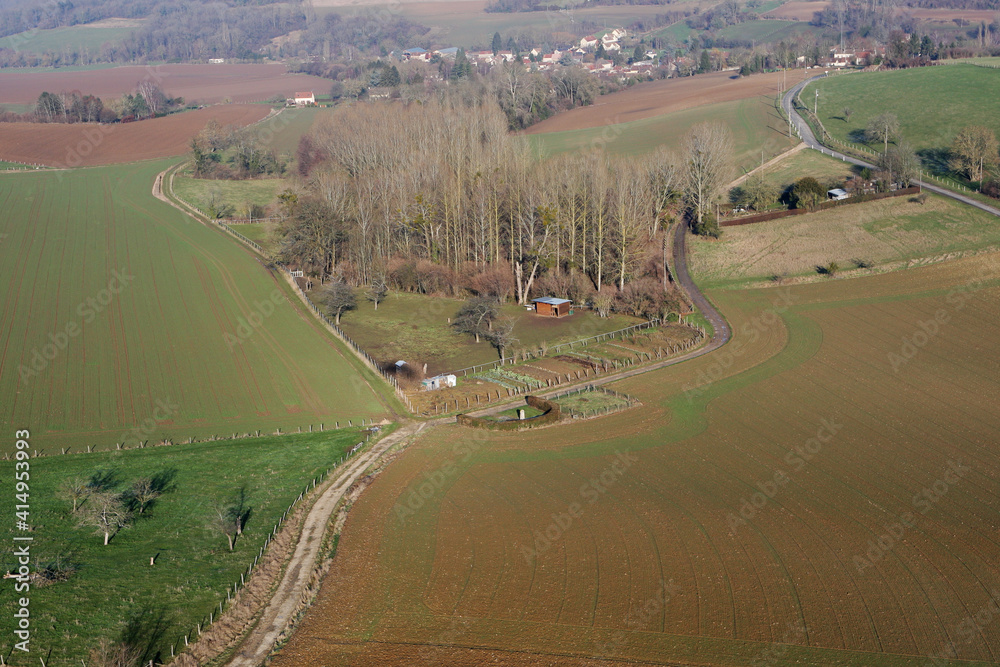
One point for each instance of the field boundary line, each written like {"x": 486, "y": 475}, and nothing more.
{"x": 281, "y": 611}
{"x": 361, "y": 355}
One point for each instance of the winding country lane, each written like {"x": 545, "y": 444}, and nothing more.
{"x": 810, "y": 140}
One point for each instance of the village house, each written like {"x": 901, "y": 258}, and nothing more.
{"x": 588, "y": 42}
{"x": 304, "y": 99}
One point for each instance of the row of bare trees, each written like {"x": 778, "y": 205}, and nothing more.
{"x": 445, "y": 183}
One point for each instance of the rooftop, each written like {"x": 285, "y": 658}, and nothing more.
{"x": 551, "y": 300}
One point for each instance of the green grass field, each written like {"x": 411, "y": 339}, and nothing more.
{"x": 788, "y": 500}
{"x": 114, "y": 301}
{"x": 932, "y": 103}
{"x": 764, "y": 30}
{"x": 114, "y": 584}
{"x": 281, "y": 133}
{"x": 415, "y": 328}
{"x": 754, "y": 123}
{"x": 800, "y": 164}
{"x": 201, "y": 192}
{"x": 72, "y": 38}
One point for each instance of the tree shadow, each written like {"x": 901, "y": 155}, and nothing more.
{"x": 858, "y": 136}
{"x": 936, "y": 160}
{"x": 240, "y": 509}
{"x": 822, "y": 270}
{"x": 104, "y": 480}
{"x": 144, "y": 630}
{"x": 163, "y": 481}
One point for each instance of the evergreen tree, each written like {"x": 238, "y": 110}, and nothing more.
{"x": 496, "y": 43}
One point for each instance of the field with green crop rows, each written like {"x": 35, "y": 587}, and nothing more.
{"x": 112, "y": 588}
{"x": 932, "y": 103}
{"x": 754, "y": 123}
{"x": 115, "y": 303}
{"x": 823, "y": 490}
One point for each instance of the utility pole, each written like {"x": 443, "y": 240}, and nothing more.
{"x": 816, "y": 105}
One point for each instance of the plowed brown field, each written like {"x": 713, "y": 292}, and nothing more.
{"x": 89, "y": 144}
{"x": 661, "y": 97}
{"x": 207, "y": 84}
{"x": 814, "y": 500}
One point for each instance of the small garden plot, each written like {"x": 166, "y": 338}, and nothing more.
{"x": 593, "y": 402}
{"x": 513, "y": 414}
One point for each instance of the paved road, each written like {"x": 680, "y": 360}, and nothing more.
{"x": 810, "y": 140}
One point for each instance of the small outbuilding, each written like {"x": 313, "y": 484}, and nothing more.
{"x": 837, "y": 193}
{"x": 550, "y": 306}
{"x": 439, "y": 382}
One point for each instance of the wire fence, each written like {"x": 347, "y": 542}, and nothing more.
{"x": 360, "y": 353}
{"x": 524, "y": 356}
{"x": 188, "y": 637}
{"x": 624, "y": 401}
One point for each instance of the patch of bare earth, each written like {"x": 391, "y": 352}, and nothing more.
{"x": 656, "y": 98}
{"x": 90, "y": 144}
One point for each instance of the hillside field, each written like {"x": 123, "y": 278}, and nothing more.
{"x": 754, "y": 124}
{"x": 816, "y": 492}
{"x": 115, "y": 585}
{"x": 115, "y": 304}
{"x": 87, "y": 37}
{"x": 932, "y": 103}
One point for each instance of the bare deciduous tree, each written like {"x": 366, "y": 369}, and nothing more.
{"x": 75, "y": 490}
{"x": 974, "y": 149}
{"x": 883, "y": 127}
{"x": 502, "y": 336}
{"x": 107, "y": 513}
{"x": 143, "y": 492}
{"x": 377, "y": 290}
{"x": 708, "y": 164}
{"x": 338, "y": 297}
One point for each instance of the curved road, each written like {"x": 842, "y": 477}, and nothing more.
{"x": 810, "y": 140}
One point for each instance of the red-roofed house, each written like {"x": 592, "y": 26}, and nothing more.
{"x": 302, "y": 99}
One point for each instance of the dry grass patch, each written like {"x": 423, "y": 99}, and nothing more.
{"x": 883, "y": 234}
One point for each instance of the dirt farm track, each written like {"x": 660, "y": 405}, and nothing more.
{"x": 207, "y": 84}
{"x": 667, "y": 96}
{"x": 91, "y": 144}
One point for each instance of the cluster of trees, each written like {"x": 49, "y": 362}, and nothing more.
{"x": 231, "y": 152}
{"x": 146, "y": 101}
{"x": 97, "y": 505}
{"x": 451, "y": 202}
